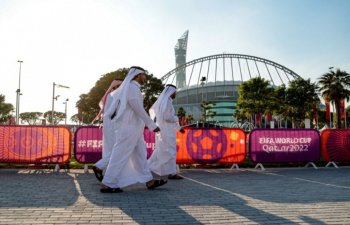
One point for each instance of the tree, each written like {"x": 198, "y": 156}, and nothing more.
{"x": 30, "y": 117}
{"x": 57, "y": 117}
{"x": 189, "y": 119}
{"x": 255, "y": 97}
{"x": 184, "y": 119}
{"x": 181, "y": 114}
{"x": 88, "y": 104}
{"x": 86, "y": 111}
{"x": 75, "y": 118}
{"x": 279, "y": 105}
{"x": 5, "y": 110}
{"x": 151, "y": 90}
{"x": 301, "y": 100}
{"x": 207, "y": 111}
{"x": 334, "y": 86}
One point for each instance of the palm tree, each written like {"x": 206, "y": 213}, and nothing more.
{"x": 181, "y": 114}
{"x": 207, "y": 111}
{"x": 334, "y": 86}
{"x": 301, "y": 99}
{"x": 255, "y": 97}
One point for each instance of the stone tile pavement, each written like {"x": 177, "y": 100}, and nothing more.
{"x": 205, "y": 196}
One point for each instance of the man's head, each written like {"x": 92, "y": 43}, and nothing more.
{"x": 116, "y": 83}
{"x": 141, "y": 74}
{"x": 173, "y": 95}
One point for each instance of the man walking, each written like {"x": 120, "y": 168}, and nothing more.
{"x": 108, "y": 136}
{"x": 128, "y": 162}
{"x": 163, "y": 160}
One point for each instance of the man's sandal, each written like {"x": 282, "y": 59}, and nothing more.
{"x": 156, "y": 183}
{"x": 175, "y": 177}
{"x": 106, "y": 189}
{"x": 98, "y": 173}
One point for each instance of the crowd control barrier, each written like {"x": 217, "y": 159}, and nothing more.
{"x": 88, "y": 143}
{"x": 284, "y": 145}
{"x": 35, "y": 144}
{"x": 196, "y": 145}
{"x": 335, "y": 145}
{"x": 52, "y": 145}
{"x": 211, "y": 145}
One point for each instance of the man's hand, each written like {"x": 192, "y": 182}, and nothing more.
{"x": 156, "y": 130}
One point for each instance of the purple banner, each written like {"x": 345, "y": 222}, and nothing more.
{"x": 284, "y": 145}
{"x": 88, "y": 143}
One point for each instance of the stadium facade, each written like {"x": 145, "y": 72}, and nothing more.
{"x": 215, "y": 79}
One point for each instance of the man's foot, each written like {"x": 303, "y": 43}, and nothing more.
{"x": 155, "y": 183}
{"x": 175, "y": 177}
{"x": 106, "y": 189}
{"x": 98, "y": 173}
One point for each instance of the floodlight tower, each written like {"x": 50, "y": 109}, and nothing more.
{"x": 180, "y": 59}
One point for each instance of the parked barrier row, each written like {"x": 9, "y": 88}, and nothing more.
{"x": 52, "y": 144}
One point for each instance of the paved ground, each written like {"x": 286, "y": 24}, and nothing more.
{"x": 205, "y": 196}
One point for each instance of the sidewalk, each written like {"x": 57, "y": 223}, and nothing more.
{"x": 205, "y": 196}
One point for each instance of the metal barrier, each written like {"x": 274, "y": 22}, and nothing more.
{"x": 335, "y": 145}
{"x": 211, "y": 145}
{"x": 88, "y": 143}
{"x": 52, "y": 145}
{"x": 35, "y": 144}
{"x": 284, "y": 145}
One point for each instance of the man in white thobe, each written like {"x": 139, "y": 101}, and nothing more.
{"x": 163, "y": 160}
{"x": 108, "y": 137}
{"x": 128, "y": 162}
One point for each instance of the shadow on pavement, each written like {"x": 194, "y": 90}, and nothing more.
{"x": 294, "y": 185}
{"x": 181, "y": 201}
{"x": 36, "y": 188}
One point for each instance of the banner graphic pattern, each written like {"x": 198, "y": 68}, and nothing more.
{"x": 211, "y": 145}
{"x": 35, "y": 144}
{"x": 336, "y": 145}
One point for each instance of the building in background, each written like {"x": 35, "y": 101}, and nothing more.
{"x": 215, "y": 79}
{"x": 180, "y": 59}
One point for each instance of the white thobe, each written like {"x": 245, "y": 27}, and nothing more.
{"x": 163, "y": 160}
{"x": 108, "y": 137}
{"x": 128, "y": 162}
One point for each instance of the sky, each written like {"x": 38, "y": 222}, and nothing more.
{"x": 74, "y": 42}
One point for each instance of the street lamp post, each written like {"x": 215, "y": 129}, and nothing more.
{"x": 203, "y": 79}
{"x": 65, "y": 110}
{"x": 330, "y": 111}
{"x": 18, "y": 91}
{"x": 55, "y": 98}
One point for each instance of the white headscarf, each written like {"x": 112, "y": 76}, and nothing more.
{"x": 120, "y": 95}
{"x": 114, "y": 84}
{"x": 159, "y": 107}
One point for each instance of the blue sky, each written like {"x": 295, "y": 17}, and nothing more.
{"x": 74, "y": 42}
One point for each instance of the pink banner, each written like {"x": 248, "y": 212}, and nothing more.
{"x": 88, "y": 143}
